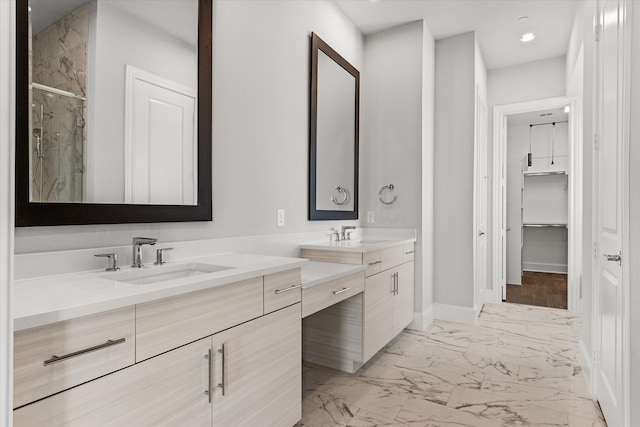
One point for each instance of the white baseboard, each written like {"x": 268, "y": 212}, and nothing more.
{"x": 454, "y": 313}
{"x": 539, "y": 267}
{"x": 586, "y": 361}
{"x": 421, "y": 321}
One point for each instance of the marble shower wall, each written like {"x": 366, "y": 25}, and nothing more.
{"x": 59, "y": 60}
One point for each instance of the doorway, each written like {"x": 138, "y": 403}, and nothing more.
{"x": 547, "y": 189}
{"x": 537, "y": 207}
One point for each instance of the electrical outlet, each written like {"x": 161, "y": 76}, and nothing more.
{"x": 280, "y": 221}
{"x": 370, "y": 217}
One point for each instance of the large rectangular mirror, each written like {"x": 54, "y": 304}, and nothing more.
{"x": 333, "y": 142}
{"x": 113, "y": 114}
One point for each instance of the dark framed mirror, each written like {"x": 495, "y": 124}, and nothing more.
{"x": 333, "y": 134}
{"x": 72, "y": 119}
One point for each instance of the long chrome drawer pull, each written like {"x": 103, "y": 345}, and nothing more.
{"x": 209, "y": 358}
{"x": 341, "y": 291}
{"x": 279, "y": 291}
{"x": 375, "y": 262}
{"x": 409, "y": 253}
{"x": 56, "y": 359}
{"x": 222, "y": 384}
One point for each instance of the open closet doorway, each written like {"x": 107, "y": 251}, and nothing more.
{"x": 538, "y": 193}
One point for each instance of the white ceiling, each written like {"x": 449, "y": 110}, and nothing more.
{"x": 494, "y": 21}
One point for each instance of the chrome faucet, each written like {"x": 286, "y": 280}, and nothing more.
{"x": 137, "y": 249}
{"x": 344, "y": 233}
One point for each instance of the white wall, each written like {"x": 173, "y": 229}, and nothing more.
{"x": 260, "y": 121}
{"x": 454, "y": 170}
{"x": 397, "y": 113}
{"x": 7, "y": 138}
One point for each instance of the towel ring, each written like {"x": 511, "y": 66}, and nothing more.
{"x": 346, "y": 194}
{"x": 389, "y": 188}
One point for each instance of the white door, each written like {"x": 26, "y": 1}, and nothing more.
{"x": 481, "y": 205}
{"x": 610, "y": 310}
{"x": 161, "y": 154}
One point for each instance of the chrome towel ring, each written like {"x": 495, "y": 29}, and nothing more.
{"x": 387, "y": 189}
{"x": 345, "y": 194}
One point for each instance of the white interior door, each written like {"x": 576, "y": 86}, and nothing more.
{"x": 160, "y": 154}
{"x": 481, "y": 205}
{"x": 610, "y": 185}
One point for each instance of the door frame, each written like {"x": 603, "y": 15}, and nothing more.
{"x": 575, "y": 221}
{"x": 625, "y": 123}
{"x": 479, "y": 293}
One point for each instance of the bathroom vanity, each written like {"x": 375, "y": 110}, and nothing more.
{"x": 344, "y": 336}
{"x": 222, "y": 348}
{"x": 210, "y": 340}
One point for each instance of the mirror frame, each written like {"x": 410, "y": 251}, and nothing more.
{"x": 314, "y": 214}
{"x": 45, "y": 214}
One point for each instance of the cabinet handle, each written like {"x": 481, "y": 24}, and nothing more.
{"x": 290, "y": 288}
{"x": 56, "y": 359}
{"x": 341, "y": 291}
{"x": 397, "y": 280}
{"x": 222, "y": 383}
{"x": 409, "y": 253}
{"x": 209, "y": 357}
{"x": 375, "y": 262}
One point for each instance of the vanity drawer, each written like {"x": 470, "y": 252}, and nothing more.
{"x": 391, "y": 257}
{"x": 168, "y": 323}
{"x": 282, "y": 289}
{"x": 322, "y": 296}
{"x": 372, "y": 260}
{"x": 409, "y": 252}
{"x": 55, "y": 357}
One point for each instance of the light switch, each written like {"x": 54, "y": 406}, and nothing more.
{"x": 370, "y": 219}
{"x": 280, "y": 221}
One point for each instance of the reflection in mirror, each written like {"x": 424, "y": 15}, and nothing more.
{"x": 334, "y": 135}
{"x": 113, "y": 101}
{"x": 113, "y": 111}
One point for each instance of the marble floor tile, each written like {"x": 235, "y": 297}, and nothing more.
{"x": 517, "y": 366}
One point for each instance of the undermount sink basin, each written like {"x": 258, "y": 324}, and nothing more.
{"x": 370, "y": 241}
{"x": 158, "y": 274}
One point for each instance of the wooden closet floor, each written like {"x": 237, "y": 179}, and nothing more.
{"x": 541, "y": 289}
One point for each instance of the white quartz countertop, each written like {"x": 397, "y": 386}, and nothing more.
{"x": 44, "y": 300}
{"x": 316, "y": 273}
{"x": 358, "y": 245}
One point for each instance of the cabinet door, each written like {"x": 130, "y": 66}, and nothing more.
{"x": 403, "y": 300}
{"x": 258, "y": 371}
{"x": 378, "y": 312}
{"x": 167, "y": 390}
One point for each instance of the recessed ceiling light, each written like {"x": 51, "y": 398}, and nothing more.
{"x": 527, "y": 37}
{"x": 523, "y": 19}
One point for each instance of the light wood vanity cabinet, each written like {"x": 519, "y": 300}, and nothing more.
{"x": 55, "y": 357}
{"x": 388, "y": 300}
{"x": 257, "y": 371}
{"x": 388, "y": 292}
{"x": 167, "y": 390}
{"x": 244, "y": 367}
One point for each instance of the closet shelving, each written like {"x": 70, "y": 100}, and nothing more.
{"x": 544, "y": 212}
